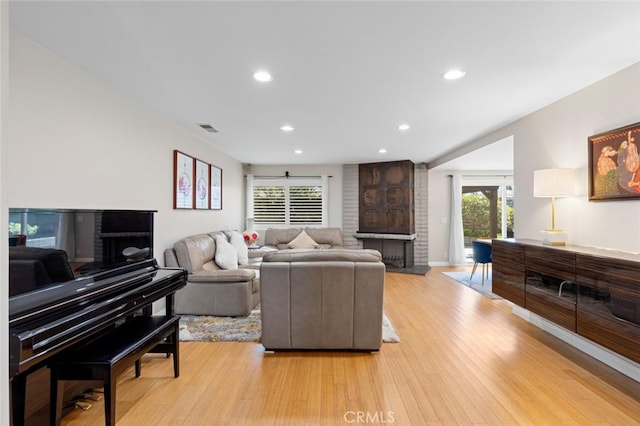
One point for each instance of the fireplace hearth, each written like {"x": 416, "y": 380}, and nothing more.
{"x": 396, "y": 249}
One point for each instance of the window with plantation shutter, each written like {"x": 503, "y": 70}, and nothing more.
{"x": 305, "y": 205}
{"x": 269, "y": 205}
{"x": 288, "y": 202}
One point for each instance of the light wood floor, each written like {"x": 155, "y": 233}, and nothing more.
{"x": 462, "y": 359}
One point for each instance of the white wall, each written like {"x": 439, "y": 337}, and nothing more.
{"x": 335, "y": 182}
{"x": 4, "y": 257}
{"x": 76, "y": 143}
{"x": 556, "y": 136}
{"x": 439, "y": 211}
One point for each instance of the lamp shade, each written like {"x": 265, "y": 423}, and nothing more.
{"x": 554, "y": 183}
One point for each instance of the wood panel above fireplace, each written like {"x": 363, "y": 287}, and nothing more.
{"x": 386, "y": 197}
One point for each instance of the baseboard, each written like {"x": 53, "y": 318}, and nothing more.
{"x": 439, "y": 263}
{"x": 616, "y": 361}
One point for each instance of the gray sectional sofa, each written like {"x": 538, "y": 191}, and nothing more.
{"x": 222, "y": 290}
{"x": 322, "y": 299}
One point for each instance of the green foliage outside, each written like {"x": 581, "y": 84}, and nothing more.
{"x": 475, "y": 215}
{"x": 15, "y": 228}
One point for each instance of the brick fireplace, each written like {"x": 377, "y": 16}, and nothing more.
{"x": 386, "y": 211}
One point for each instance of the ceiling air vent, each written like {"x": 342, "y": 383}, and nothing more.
{"x": 208, "y": 127}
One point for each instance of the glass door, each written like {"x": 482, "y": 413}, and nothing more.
{"x": 487, "y": 212}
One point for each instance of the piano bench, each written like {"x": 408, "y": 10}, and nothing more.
{"x": 104, "y": 357}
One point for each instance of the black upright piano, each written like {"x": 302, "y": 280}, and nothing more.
{"x": 46, "y": 322}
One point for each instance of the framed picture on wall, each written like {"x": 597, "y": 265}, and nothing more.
{"x": 614, "y": 164}
{"x": 202, "y": 185}
{"x": 183, "y": 166}
{"x": 216, "y": 188}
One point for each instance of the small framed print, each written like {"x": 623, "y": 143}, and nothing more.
{"x": 202, "y": 198}
{"x": 183, "y": 167}
{"x": 216, "y": 188}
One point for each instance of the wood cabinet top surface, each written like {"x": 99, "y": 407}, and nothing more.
{"x": 590, "y": 251}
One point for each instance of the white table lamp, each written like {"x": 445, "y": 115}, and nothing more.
{"x": 554, "y": 183}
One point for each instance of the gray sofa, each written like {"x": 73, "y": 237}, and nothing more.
{"x": 322, "y": 299}
{"x": 211, "y": 290}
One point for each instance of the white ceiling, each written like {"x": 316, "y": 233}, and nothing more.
{"x": 345, "y": 73}
{"x": 495, "y": 156}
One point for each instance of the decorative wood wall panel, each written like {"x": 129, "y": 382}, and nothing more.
{"x": 387, "y": 197}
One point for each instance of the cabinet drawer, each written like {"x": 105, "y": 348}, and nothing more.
{"x": 555, "y": 302}
{"x": 611, "y": 332}
{"x": 551, "y": 261}
{"x": 508, "y": 271}
{"x": 610, "y": 318}
{"x": 620, "y": 276}
{"x": 508, "y": 285}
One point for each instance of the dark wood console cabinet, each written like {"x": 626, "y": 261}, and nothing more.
{"x": 592, "y": 292}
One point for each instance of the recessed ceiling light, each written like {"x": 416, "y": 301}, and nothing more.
{"x": 297, "y": 151}
{"x": 382, "y": 151}
{"x": 287, "y": 128}
{"x": 453, "y": 74}
{"x": 262, "y": 76}
{"x": 404, "y": 127}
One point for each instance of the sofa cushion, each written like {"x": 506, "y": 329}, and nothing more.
{"x": 303, "y": 240}
{"x": 280, "y": 237}
{"x": 223, "y": 276}
{"x": 211, "y": 266}
{"x": 237, "y": 241}
{"x": 331, "y": 255}
{"x": 226, "y": 256}
{"x": 326, "y": 237}
{"x": 194, "y": 251}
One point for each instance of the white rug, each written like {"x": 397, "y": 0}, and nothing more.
{"x": 202, "y": 328}
{"x": 476, "y": 283}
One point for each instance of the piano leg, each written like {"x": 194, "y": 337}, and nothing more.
{"x": 18, "y": 399}
{"x": 110, "y": 397}
{"x": 57, "y": 396}
{"x": 175, "y": 345}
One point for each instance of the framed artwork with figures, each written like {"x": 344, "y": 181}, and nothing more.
{"x": 183, "y": 178}
{"x": 216, "y": 188}
{"x": 614, "y": 164}
{"x": 201, "y": 193}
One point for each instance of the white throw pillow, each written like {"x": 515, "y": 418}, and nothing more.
{"x": 303, "y": 240}
{"x": 237, "y": 241}
{"x": 226, "y": 256}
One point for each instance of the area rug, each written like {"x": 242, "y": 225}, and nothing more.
{"x": 201, "y": 328}
{"x": 476, "y": 283}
